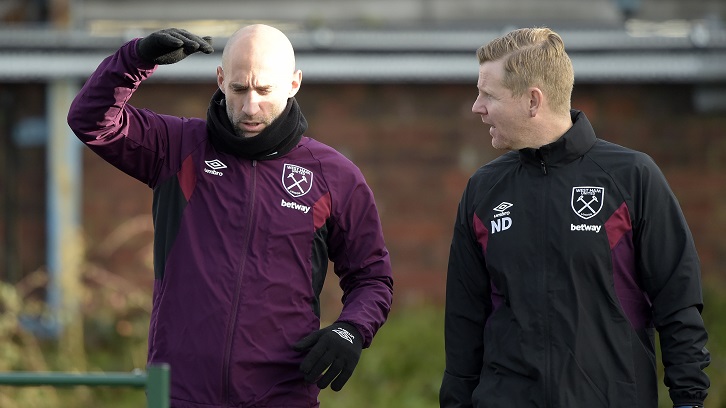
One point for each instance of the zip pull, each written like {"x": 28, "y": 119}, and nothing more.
{"x": 254, "y": 163}
{"x": 544, "y": 167}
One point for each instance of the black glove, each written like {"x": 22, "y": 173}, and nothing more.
{"x": 171, "y": 45}
{"x": 336, "y": 348}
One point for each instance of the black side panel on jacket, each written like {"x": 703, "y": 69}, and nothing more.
{"x": 319, "y": 264}
{"x": 167, "y": 209}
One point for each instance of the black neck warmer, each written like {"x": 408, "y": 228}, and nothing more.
{"x": 275, "y": 140}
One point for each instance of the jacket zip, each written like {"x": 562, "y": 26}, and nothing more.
{"x": 547, "y": 328}
{"x": 238, "y": 288}
{"x": 546, "y": 308}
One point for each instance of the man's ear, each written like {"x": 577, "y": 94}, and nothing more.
{"x": 296, "y": 82}
{"x": 536, "y": 100}
{"x": 220, "y": 79}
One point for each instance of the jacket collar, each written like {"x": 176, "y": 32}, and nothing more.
{"x": 570, "y": 146}
{"x": 281, "y": 136}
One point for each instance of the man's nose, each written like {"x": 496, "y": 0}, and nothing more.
{"x": 478, "y": 107}
{"x": 251, "y": 105}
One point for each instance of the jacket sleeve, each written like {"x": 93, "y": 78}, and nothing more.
{"x": 358, "y": 251}
{"x": 135, "y": 141}
{"x": 468, "y": 307}
{"x": 672, "y": 279}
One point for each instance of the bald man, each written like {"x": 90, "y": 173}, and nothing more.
{"x": 247, "y": 213}
{"x": 259, "y": 59}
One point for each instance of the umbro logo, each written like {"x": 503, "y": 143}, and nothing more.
{"x": 215, "y": 165}
{"x": 345, "y": 334}
{"x": 503, "y": 206}
{"x": 501, "y": 220}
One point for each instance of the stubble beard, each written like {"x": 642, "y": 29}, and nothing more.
{"x": 236, "y": 121}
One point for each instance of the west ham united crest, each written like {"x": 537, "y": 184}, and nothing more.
{"x": 296, "y": 180}
{"x": 587, "y": 201}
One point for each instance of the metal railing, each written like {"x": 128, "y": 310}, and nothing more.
{"x": 155, "y": 381}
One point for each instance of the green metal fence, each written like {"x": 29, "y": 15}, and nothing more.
{"x": 155, "y": 381}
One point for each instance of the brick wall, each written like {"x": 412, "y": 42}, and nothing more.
{"x": 417, "y": 145}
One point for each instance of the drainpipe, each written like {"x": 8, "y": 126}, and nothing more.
{"x": 65, "y": 244}
{"x": 10, "y": 190}
{"x": 65, "y": 248}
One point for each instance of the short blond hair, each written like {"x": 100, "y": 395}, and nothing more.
{"x": 534, "y": 57}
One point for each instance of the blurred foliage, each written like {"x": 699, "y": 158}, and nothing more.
{"x": 402, "y": 368}
{"x": 114, "y": 317}
{"x": 404, "y": 365}
{"x": 713, "y": 315}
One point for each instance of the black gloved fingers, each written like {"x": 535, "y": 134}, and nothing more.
{"x": 318, "y": 367}
{"x": 345, "y": 373}
{"x": 184, "y": 37}
{"x": 333, "y": 354}
{"x": 161, "y": 42}
{"x": 333, "y": 372}
{"x": 165, "y": 40}
{"x": 206, "y": 48}
{"x": 175, "y": 39}
{"x": 171, "y": 45}
{"x": 308, "y": 341}
{"x": 192, "y": 42}
{"x": 315, "y": 355}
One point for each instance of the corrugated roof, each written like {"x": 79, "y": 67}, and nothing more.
{"x": 623, "y": 55}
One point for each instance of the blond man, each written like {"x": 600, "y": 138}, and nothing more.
{"x": 568, "y": 253}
